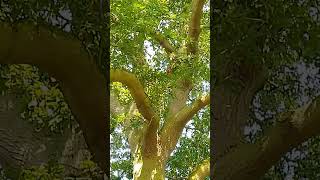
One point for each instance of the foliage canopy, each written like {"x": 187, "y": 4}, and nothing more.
{"x": 138, "y": 30}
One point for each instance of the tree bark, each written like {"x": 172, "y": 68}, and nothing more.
{"x": 149, "y": 168}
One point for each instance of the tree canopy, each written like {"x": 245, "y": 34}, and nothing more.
{"x": 160, "y": 91}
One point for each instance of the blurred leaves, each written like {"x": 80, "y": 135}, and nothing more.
{"x": 44, "y": 104}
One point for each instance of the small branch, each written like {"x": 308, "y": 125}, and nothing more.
{"x": 194, "y": 26}
{"x": 201, "y": 171}
{"x": 164, "y": 43}
{"x": 255, "y": 19}
{"x": 173, "y": 127}
{"x": 251, "y": 161}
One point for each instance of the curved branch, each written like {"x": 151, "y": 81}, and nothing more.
{"x": 173, "y": 127}
{"x": 251, "y": 161}
{"x": 143, "y": 104}
{"x": 194, "y": 26}
{"x": 137, "y": 92}
{"x": 201, "y": 171}
{"x": 82, "y": 84}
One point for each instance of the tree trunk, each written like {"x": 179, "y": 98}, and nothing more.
{"x": 149, "y": 168}
{"x": 234, "y": 91}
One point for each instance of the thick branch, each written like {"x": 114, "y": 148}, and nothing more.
{"x": 143, "y": 104}
{"x": 164, "y": 43}
{"x": 83, "y": 86}
{"x": 137, "y": 91}
{"x": 173, "y": 127}
{"x": 194, "y": 26}
{"x": 201, "y": 171}
{"x": 251, "y": 161}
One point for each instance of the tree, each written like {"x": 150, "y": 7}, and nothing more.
{"x": 65, "y": 39}
{"x": 155, "y": 97}
{"x": 256, "y": 44}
